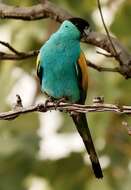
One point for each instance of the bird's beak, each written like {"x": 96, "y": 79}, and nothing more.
{"x": 86, "y": 32}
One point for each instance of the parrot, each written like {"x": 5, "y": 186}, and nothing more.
{"x": 62, "y": 73}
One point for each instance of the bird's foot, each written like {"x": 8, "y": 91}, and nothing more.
{"x": 57, "y": 102}
{"x": 49, "y": 100}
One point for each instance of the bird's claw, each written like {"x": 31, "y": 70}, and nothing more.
{"x": 49, "y": 100}
{"x": 57, "y": 103}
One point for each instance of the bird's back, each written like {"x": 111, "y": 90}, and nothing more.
{"x": 59, "y": 61}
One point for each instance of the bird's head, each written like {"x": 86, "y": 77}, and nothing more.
{"x": 82, "y": 25}
{"x": 76, "y": 28}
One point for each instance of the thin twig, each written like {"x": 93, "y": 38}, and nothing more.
{"x": 18, "y": 56}
{"x": 105, "y": 54}
{"x": 103, "y": 69}
{"x": 106, "y": 29}
{"x": 6, "y": 44}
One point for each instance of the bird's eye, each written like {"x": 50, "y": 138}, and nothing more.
{"x": 66, "y": 26}
{"x": 87, "y": 30}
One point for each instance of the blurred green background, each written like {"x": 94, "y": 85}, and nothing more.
{"x": 44, "y": 151}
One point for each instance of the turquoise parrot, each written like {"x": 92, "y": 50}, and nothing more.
{"x": 62, "y": 72}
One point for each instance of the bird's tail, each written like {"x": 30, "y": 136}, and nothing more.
{"x": 82, "y": 127}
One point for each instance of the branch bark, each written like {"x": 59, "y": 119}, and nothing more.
{"x": 50, "y": 10}
{"x": 36, "y": 12}
{"x": 66, "y": 107}
{"x": 124, "y": 57}
{"x": 20, "y": 56}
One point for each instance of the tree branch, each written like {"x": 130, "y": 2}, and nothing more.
{"x": 6, "y": 44}
{"x": 50, "y": 10}
{"x": 17, "y": 54}
{"x": 18, "y": 109}
{"x": 20, "y": 56}
{"x": 36, "y": 12}
{"x": 124, "y": 58}
{"x": 104, "y": 69}
{"x": 106, "y": 29}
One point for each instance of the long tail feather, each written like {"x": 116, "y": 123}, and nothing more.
{"x": 82, "y": 127}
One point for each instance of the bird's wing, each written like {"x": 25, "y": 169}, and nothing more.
{"x": 39, "y": 68}
{"x": 82, "y": 76}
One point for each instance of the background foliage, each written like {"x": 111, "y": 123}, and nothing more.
{"x": 22, "y": 166}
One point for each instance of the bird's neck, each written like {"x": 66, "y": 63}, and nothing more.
{"x": 64, "y": 36}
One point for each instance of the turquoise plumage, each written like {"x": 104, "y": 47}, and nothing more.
{"x": 56, "y": 54}
{"x": 62, "y": 70}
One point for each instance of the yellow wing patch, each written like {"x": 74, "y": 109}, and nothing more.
{"x": 83, "y": 66}
{"x": 38, "y": 64}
